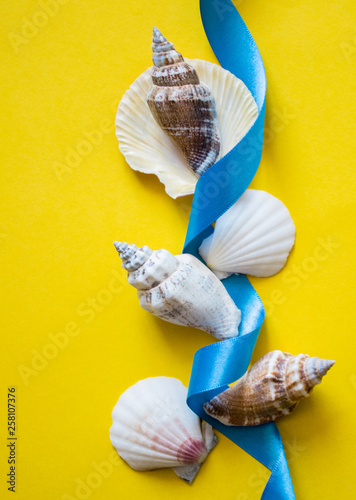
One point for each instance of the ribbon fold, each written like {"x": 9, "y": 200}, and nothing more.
{"x": 217, "y": 365}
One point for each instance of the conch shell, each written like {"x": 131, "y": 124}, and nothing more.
{"x": 183, "y": 106}
{"x": 180, "y": 289}
{"x": 270, "y": 389}
{"x": 154, "y": 428}
{"x": 148, "y": 149}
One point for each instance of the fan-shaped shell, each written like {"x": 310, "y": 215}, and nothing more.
{"x": 253, "y": 237}
{"x": 154, "y": 428}
{"x": 270, "y": 389}
{"x": 148, "y": 149}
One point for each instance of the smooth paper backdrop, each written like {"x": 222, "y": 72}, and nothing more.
{"x": 67, "y": 193}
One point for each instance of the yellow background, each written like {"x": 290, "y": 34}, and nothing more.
{"x": 64, "y": 202}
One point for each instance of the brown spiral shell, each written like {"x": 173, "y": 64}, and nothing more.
{"x": 270, "y": 389}
{"x": 183, "y": 106}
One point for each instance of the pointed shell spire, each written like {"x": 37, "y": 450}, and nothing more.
{"x": 304, "y": 373}
{"x": 164, "y": 53}
{"x": 159, "y": 265}
{"x": 131, "y": 256}
{"x": 269, "y": 390}
{"x": 183, "y": 106}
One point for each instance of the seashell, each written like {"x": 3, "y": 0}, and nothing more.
{"x": 154, "y": 428}
{"x": 269, "y": 390}
{"x": 180, "y": 289}
{"x": 253, "y": 237}
{"x": 182, "y": 106}
{"x": 148, "y": 149}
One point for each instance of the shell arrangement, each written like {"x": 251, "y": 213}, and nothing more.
{"x": 153, "y": 428}
{"x": 147, "y": 148}
{"x": 152, "y": 424}
{"x": 180, "y": 289}
{"x": 270, "y": 389}
{"x": 183, "y": 106}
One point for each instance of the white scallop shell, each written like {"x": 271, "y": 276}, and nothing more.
{"x": 253, "y": 237}
{"x": 148, "y": 149}
{"x": 154, "y": 428}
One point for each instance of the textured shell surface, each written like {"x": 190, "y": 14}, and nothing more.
{"x": 154, "y": 428}
{"x": 253, "y": 237}
{"x": 180, "y": 289}
{"x": 183, "y": 106}
{"x": 270, "y": 389}
{"x": 148, "y": 149}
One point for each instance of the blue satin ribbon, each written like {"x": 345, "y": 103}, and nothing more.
{"x": 217, "y": 365}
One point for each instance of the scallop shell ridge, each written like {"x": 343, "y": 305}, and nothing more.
{"x": 253, "y": 237}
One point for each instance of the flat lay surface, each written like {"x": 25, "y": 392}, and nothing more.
{"x": 74, "y": 336}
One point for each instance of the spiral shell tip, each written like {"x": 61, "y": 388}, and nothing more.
{"x": 328, "y": 363}
{"x": 157, "y": 35}
{"x": 125, "y": 250}
{"x": 119, "y": 246}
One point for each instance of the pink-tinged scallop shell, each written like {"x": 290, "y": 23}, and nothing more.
{"x": 154, "y": 428}
{"x": 270, "y": 389}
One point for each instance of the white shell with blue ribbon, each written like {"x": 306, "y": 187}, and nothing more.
{"x": 253, "y": 237}
{"x": 154, "y": 428}
{"x": 148, "y": 149}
